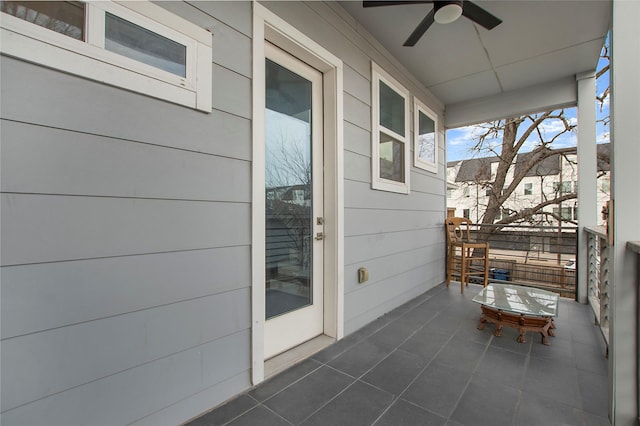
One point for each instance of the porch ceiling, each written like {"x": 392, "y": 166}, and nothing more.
{"x": 538, "y": 43}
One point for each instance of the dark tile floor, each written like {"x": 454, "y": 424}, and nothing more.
{"x": 425, "y": 363}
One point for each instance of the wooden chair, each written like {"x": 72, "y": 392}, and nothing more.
{"x": 465, "y": 258}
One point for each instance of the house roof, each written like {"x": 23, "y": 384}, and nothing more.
{"x": 528, "y": 63}
{"x": 476, "y": 169}
{"x": 548, "y": 166}
{"x": 479, "y": 169}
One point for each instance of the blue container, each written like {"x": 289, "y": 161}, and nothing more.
{"x": 500, "y": 274}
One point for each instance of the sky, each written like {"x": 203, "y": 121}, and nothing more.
{"x": 460, "y": 141}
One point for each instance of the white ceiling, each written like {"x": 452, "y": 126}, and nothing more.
{"x": 538, "y": 42}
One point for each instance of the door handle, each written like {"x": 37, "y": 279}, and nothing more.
{"x": 320, "y": 236}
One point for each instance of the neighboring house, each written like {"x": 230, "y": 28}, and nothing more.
{"x": 470, "y": 189}
{"x": 149, "y": 271}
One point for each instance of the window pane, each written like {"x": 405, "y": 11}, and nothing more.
{"x": 64, "y": 17}
{"x": 426, "y": 138}
{"x": 391, "y": 109}
{"x": 288, "y": 191}
{"x": 135, "y": 42}
{"x": 391, "y": 158}
{"x": 528, "y": 188}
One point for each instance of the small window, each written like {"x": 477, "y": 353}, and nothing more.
{"x": 488, "y": 192}
{"x": 138, "y": 43}
{"x": 135, "y": 45}
{"x": 465, "y": 191}
{"x": 466, "y": 213}
{"x": 562, "y": 187}
{"x": 425, "y": 146}
{"x": 567, "y": 213}
{"x": 390, "y": 133}
{"x": 528, "y": 188}
{"x": 63, "y": 17}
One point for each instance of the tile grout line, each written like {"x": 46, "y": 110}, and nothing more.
{"x": 419, "y": 372}
{"x": 358, "y": 378}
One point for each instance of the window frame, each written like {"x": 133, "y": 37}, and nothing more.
{"x": 88, "y": 58}
{"x": 377, "y": 182}
{"x": 420, "y": 107}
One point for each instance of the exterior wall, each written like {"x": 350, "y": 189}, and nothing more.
{"x": 126, "y": 230}
{"x": 126, "y": 242}
{"x": 398, "y": 238}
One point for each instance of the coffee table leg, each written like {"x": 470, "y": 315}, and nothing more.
{"x": 521, "y": 338}
{"x": 545, "y": 339}
{"x": 551, "y": 327}
{"x": 498, "y": 331}
{"x": 483, "y": 322}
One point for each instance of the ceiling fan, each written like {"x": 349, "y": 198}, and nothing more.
{"x": 443, "y": 12}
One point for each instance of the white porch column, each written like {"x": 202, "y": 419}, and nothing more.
{"x": 587, "y": 172}
{"x": 625, "y": 182}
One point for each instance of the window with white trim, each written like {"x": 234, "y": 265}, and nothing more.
{"x": 425, "y": 145}
{"x": 135, "y": 45}
{"x": 390, "y": 133}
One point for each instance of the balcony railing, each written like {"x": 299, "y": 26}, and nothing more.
{"x": 536, "y": 256}
{"x": 598, "y": 276}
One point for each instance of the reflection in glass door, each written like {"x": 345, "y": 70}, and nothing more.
{"x": 293, "y": 192}
{"x": 288, "y": 190}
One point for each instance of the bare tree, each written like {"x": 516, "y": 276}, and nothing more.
{"x": 514, "y": 134}
{"x": 513, "y": 139}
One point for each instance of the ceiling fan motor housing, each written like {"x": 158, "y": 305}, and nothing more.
{"x": 447, "y": 11}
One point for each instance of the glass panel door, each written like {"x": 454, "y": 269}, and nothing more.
{"x": 288, "y": 178}
{"x": 293, "y": 202}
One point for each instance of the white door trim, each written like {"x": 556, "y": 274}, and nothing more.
{"x": 268, "y": 26}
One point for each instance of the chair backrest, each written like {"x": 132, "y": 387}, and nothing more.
{"x": 458, "y": 229}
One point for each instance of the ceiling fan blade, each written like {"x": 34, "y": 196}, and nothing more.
{"x": 479, "y": 15}
{"x": 420, "y": 29}
{"x": 374, "y": 3}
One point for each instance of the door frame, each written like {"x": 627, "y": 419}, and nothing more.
{"x": 267, "y": 26}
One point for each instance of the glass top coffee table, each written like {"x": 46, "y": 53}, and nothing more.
{"x": 523, "y": 308}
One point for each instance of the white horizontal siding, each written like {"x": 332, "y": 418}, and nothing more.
{"x": 357, "y": 85}
{"x": 357, "y": 112}
{"x": 232, "y": 92}
{"x": 41, "y": 364}
{"x": 231, "y": 46}
{"x": 43, "y": 160}
{"x": 386, "y": 268}
{"x": 48, "y": 228}
{"x": 369, "y": 221}
{"x": 44, "y": 296}
{"x": 357, "y": 140}
{"x": 135, "y": 393}
{"x": 370, "y": 247}
{"x": 361, "y": 198}
{"x": 63, "y": 101}
{"x": 126, "y": 228}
